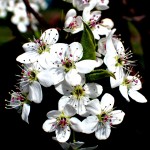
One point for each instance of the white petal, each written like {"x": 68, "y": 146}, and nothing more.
{"x": 35, "y": 92}
{"x": 85, "y": 66}
{"x": 109, "y": 43}
{"x": 99, "y": 62}
{"x": 117, "y": 117}
{"x": 30, "y": 46}
{"x": 64, "y": 88}
{"x": 25, "y": 112}
{"x": 90, "y": 124}
{"x": 50, "y": 36}
{"x": 22, "y": 27}
{"x": 63, "y": 134}
{"x": 49, "y": 125}
{"x": 107, "y": 102}
{"x": 93, "y": 89}
{"x": 94, "y": 107}
{"x": 73, "y": 78}
{"x": 119, "y": 75}
{"x": 57, "y": 75}
{"x": 138, "y": 97}
{"x": 44, "y": 78}
{"x": 53, "y": 114}
{"x": 124, "y": 91}
{"x": 69, "y": 110}
{"x": 135, "y": 84}
{"x": 76, "y": 124}
{"x": 71, "y": 13}
{"x": 28, "y": 57}
{"x": 75, "y": 51}
{"x": 103, "y": 132}
{"x": 62, "y": 102}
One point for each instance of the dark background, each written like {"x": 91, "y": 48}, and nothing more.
{"x": 132, "y": 133}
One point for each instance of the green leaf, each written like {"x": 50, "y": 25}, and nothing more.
{"x": 99, "y": 74}
{"x": 89, "y": 44}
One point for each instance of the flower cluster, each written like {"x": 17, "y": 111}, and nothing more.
{"x": 75, "y": 71}
{"x": 19, "y": 15}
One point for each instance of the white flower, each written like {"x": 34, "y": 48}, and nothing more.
{"x": 3, "y": 6}
{"x": 20, "y": 19}
{"x": 61, "y": 121}
{"x": 20, "y": 102}
{"x": 79, "y": 95}
{"x": 73, "y": 23}
{"x": 66, "y": 62}
{"x": 91, "y": 18}
{"x": 116, "y": 59}
{"x": 102, "y": 117}
{"x": 102, "y": 4}
{"x": 130, "y": 86}
{"x": 33, "y": 76}
{"x": 39, "y": 49}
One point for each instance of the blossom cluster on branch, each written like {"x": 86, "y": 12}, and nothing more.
{"x": 75, "y": 70}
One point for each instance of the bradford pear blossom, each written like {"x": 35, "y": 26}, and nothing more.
{"x": 62, "y": 121}
{"x": 20, "y": 19}
{"x": 3, "y": 7}
{"x": 73, "y": 23}
{"x": 102, "y": 117}
{"x": 20, "y": 102}
{"x": 117, "y": 59}
{"x": 79, "y": 95}
{"x": 92, "y": 18}
{"x": 102, "y": 4}
{"x": 32, "y": 77}
{"x": 39, "y": 49}
{"x": 74, "y": 146}
{"x": 130, "y": 86}
{"x": 67, "y": 64}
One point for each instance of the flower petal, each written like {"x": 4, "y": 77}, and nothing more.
{"x": 69, "y": 110}
{"x": 53, "y": 114}
{"x": 103, "y": 132}
{"x": 93, "y": 89}
{"x": 35, "y": 92}
{"x": 49, "y": 125}
{"x": 76, "y": 124}
{"x": 44, "y": 78}
{"x": 73, "y": 78}
{"x": 90, "y": 124}
{"x": 25, "y": 112}
{"x": 117, "y": 117}
{"x": 50, "y": 36}
{"x": 62, "y": 102}
{"x": 28, "y": 57}
{"x": 63, "y": 134}
{"x": 85, "y": 66}
{"x": 94, "y": 107}
{"x": 107, "y": 102}
{"x": 138, "y": 97}
{"x": 124, "y": 91}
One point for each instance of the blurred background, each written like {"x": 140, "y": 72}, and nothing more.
{"x": 132, "y": 21}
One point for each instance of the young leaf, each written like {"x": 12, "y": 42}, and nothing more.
{"x": 99, "y": 74}
{"x": 88, "y": 43}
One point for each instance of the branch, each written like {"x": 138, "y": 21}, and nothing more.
{"x": 41, "y": 20}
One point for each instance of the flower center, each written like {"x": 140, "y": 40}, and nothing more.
{"x": 104, "y": 117}
{"x": 68, "y": 64}
{"x": 78, "y": 92}
{"x": 62, "y": 120}
{"x": 42, "y": 47}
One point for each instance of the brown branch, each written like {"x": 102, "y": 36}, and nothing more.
{"x": 40, "y": 19}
